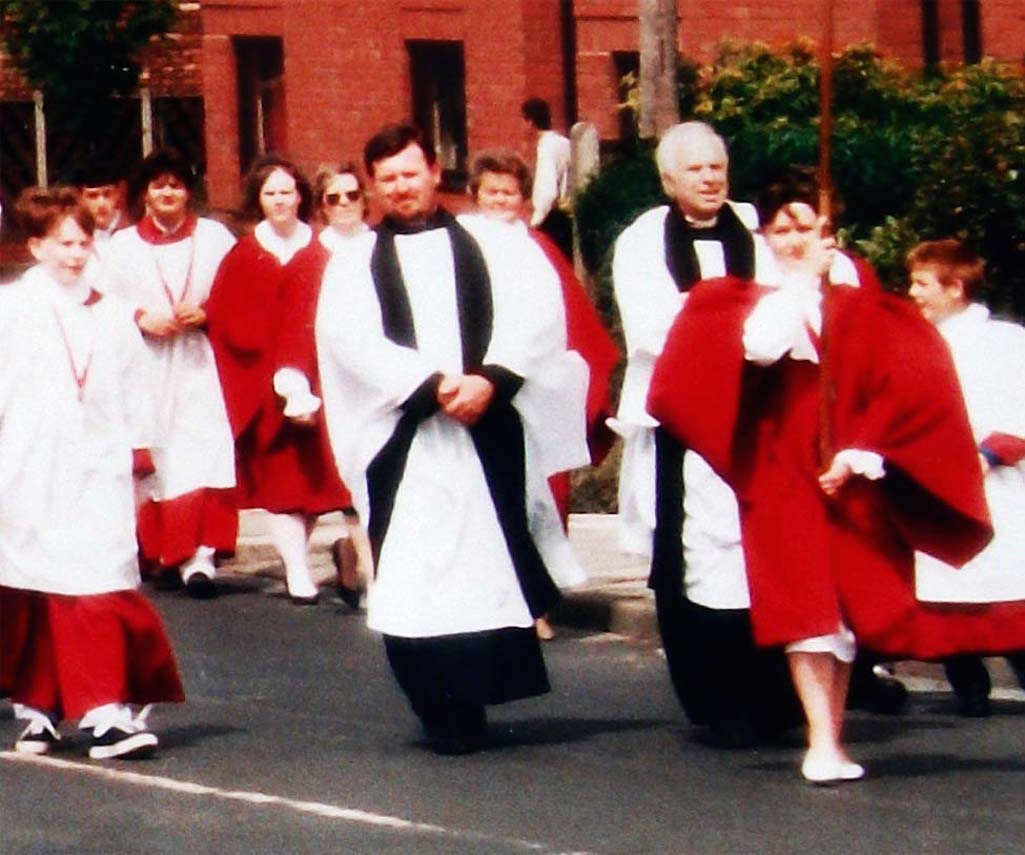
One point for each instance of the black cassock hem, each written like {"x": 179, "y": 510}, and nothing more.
{"x": 489, "y": 667}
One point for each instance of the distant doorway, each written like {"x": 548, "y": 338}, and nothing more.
{"x": 437, "y": 71}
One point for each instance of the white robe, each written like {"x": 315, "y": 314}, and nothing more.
{"x": 989, "y": 357}
{"x": 444, "y": 567}
{"x": 67, "y": 514}
{"x": 648, "y": 302}
{"x": 195, "y": 445}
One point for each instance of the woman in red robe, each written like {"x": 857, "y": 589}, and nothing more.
{"x": 835, "y": 414}
{"x": 260, "y": 311}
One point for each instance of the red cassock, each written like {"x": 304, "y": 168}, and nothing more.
{"x": 812, "y": 561}
{"x": 261, "y": 316}
{"x": 586, "y": 334}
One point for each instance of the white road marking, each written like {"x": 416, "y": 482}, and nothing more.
{"x": 329, "y": 811}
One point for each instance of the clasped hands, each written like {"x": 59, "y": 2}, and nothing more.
{"x": 186, "y": 316}
{"x": 465, "y": 397}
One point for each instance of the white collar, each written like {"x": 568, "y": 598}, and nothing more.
{"x": 59, "y": 294}
{"x": 283, "y": 248}
{"x": 333, "y": 240}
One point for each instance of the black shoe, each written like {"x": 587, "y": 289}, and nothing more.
{"x": 343, "y": 554}
{"x": 129, "y": 744}
{"x": 311, "y": 600}
{"x": 459, "y": 730}
{"x": 350, "y": 596}
{"x": 37, "y": 739}
{"x": 200, "y": 587}
{"x": 166, "y": 579}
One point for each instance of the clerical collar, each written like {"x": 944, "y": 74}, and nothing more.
{"x": 701, "y": 224}
{"x": 437, "y": 219}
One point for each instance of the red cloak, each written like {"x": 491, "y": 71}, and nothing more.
{"x": 260, "y": 317}
{"x": 812, "y": 561}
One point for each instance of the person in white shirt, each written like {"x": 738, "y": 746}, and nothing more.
{"x": 551, "y": 175}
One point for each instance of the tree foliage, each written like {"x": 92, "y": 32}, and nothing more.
{"x": 80, "y": 53}
{"x": 914, "y": 157}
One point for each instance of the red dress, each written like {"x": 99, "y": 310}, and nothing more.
{"x": 259, "y": 313}
{"x": 811, "y": 561}
{"x": 586, "y": 334}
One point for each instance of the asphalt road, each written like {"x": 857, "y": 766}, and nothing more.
{"x": 294, "y": 739}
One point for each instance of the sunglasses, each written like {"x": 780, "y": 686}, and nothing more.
{"x": 336, "y": 198}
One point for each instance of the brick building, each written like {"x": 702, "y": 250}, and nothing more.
{"x": 315, "y": 77}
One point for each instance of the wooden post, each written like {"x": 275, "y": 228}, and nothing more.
{"x": 40, "y": 116}
{"x": 826, "y": 112}
{"x": 659, "y": 105}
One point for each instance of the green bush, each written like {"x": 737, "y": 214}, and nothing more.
{"x": 913, "y": 157}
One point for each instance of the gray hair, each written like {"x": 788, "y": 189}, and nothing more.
{"x": 678, "y": 138}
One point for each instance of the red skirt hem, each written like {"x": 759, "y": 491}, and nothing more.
{"x": 170, "y": 531}
{"x": 66, "y": 655}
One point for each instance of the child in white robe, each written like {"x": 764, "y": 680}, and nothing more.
{"x": 77, "y": 639}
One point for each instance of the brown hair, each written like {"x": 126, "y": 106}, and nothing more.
{"x": 39, "y": 211}
{"x": 391, "y": 140}
{"x": 328, "y": 172}
{"x": 500, "y": 161}
{"x": 953, "y": 261}
{"x": 257, "y": 176}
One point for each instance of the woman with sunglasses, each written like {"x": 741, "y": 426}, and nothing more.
{"x": 260, "y": 317}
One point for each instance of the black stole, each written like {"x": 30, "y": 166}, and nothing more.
{"x": 667, "y": 565}
{"x": 681, "y": 259}
{"x": 497, "y": 436}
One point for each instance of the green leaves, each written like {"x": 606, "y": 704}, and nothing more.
{"x": 913, "y": 158}
{"x": 80, "y": 53}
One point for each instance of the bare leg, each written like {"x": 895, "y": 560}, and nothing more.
{"x": 821, "y": 681}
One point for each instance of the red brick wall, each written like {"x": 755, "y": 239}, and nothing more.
{"x": 1003, "y": 29}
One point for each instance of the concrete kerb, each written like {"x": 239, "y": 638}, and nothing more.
{"x": 614, "y": 599}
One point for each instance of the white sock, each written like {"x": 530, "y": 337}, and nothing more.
{"x": 201, "y": 562}
{"x": 289, "y": 534}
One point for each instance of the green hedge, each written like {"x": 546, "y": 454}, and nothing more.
{"x": 914, "y": 157}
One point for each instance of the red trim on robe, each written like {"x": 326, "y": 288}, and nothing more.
{"x": 586, "y": 334}
{"x": 142, "y": 462}
{"x": 171, "y": 531}
{"x": 561, "y": 488}
{"x": 812, "y": 562}
{"x": 66, "y": 655}
{"x": 260, "y": 317}
{"x": 150, "y": 232}
{"x": 1009, "y": 450}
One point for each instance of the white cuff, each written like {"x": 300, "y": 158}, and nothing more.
{"x": 292, "y": 385}
{"x": 867, "y": 464}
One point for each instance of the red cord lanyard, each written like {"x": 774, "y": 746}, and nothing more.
{"x": 81, "y": 377}
{"x": 188, "y": 275}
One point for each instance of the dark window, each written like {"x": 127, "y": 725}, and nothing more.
{"x": 930, "y": 32}
{"x": 971, "y": 29}
{"x": 437, "y": 72}
{"x": 119, "y": 142}
{"x": 261, "y": 97}
{"x": 18, "y": 163}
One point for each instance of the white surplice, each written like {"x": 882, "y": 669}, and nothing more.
{"x": 648, "y": 301}
{"x": 67, "y": 512}
{"x": 195, "y": 448}
{"x": 444, "y": 566}
{"x": 989, "y": 357}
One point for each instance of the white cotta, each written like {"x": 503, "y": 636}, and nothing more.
{"x": 444, "y": 566}
{"x": 648, "y": 302}
{"x": 195, "y": 448}
{"x": 989, "y": 356}
{"x": 67, "y": 513}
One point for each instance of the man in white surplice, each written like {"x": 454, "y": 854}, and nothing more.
{"x": 450, "y": 396}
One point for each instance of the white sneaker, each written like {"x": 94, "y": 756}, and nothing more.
{"x": 38, "y": 738}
